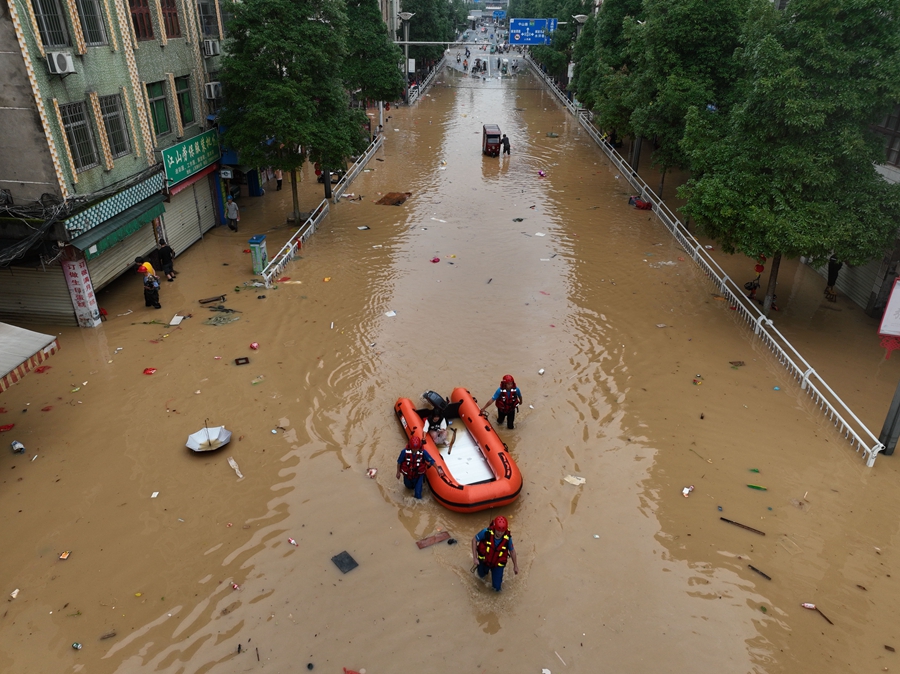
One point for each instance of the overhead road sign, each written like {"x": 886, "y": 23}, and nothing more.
{"x": 531, "y": 31}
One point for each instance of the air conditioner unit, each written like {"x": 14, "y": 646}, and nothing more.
{"x": 213, "y": 90}
{"x": 60, "y": 63}
{"x": 211, "y": 48}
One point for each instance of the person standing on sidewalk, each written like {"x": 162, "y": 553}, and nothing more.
{"x": 279, "y": 177}
{"x": 232, "y": 213}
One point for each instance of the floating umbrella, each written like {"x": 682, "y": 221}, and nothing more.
{"x": 208, "y": 439}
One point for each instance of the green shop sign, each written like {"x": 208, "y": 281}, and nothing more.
{"x": 188, "y": 157}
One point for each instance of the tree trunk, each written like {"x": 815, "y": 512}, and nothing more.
{"x": 296, "y": 198}
{"x": 636, "y": 155}
{"x": 326, "y": 174}
{"x": 773, "y": 281}
{"x": 662, "y": 180}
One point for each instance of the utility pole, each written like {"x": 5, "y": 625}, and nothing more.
{"x": 405, "y": 17}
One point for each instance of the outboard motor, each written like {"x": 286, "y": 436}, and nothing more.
{"x": 435, "y": 400}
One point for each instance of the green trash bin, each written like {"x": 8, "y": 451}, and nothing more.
{"x": 258, "y": 253}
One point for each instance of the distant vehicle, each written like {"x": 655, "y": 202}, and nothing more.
{"x": 490, "y": 140}
{"x": 504, "y": 66}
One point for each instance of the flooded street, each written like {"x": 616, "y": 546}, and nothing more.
{"x": 619, "y": 574}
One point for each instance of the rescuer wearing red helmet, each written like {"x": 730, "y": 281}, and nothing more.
{"x": 508, "y": 398}
{"x": 492, "y": 548}
{"x": 412, "y": 464}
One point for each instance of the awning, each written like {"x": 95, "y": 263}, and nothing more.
{"x": 175, "y": 189}
{"x": 21, "y": 351}
{"x": 117, "y": 228}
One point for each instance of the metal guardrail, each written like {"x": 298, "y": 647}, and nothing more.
{"x": 822, "y": 395}
{"x": 289, "y": 250}
{"x": 358, "y": 166}
{"x": 418, "y": 90}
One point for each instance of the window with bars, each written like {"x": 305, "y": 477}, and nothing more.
{"x": 92, "y": 22}
{"x": 170, "y": 18}
{"x": 51, "y": 23}
{"x": 156, "y": 92}
{"x": 889, "y": 129}
{"x": 140, "y": 16}
{"x": 77, "y": 126}
{"x": 116, "y": 126}
{"x": 209, "y": 23}
{"x": 183, "y": 94}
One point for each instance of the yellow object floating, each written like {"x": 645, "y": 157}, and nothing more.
{"x": 326, "y": 279}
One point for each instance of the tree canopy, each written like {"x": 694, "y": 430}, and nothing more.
{"x": 284, "y": 93}
{"x": 434, "y": 21}
{"x": 790, "y": 168}
{"x": 371, "y": 66}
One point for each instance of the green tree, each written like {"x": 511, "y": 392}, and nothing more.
{"x": 789, "y": 170}
{"x": 371, "y": 67}
{"x": 284, "y": 96}
{"x": 683, "y": 55}
{"x": 612, "y": 90}
{"x": 431, "y": 23}
{"x": 587, "y": 64}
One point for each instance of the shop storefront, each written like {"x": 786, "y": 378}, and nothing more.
{"x": 193, "y": 189}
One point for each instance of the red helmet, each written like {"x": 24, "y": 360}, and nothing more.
{"x": 500, "y": 525}
{"x": 508, "y": 378}
{"x": 415, "y": 442}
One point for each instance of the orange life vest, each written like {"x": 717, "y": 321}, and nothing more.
{"x": 491, "y": 554}
{"x": 413, "y": 463}
{"x": 508, "y": 399}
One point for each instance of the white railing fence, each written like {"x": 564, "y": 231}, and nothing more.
{"x": 821, "y": 394}
{"x": 419, "y": 89}
{"x": 289, "y": 250}
{"x": 358, "y": 166}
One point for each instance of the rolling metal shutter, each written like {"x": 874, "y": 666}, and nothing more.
{"x": 120, "y": 258}
{"x": 187, "y": 214}
{"x": 36, "y": 296}
{"x": 858, "y": 283}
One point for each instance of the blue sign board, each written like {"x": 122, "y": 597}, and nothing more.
{"x": 531, "y": 31}
{"x": 499, "y": 14}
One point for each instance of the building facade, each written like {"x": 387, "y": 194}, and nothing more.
{"x": 104, "y": 107}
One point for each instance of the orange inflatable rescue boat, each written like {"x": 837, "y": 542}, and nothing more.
{"x": 476, "y": 471}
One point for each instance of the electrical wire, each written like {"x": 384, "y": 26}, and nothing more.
{"x": 51, "y": 211}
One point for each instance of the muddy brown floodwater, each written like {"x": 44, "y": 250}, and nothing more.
{"x": 620, "y": 574}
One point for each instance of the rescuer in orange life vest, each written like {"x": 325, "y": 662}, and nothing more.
{"x": 508, "y": 398}
{"x": 412, "y": 464}
{"x": 492, "y": 548}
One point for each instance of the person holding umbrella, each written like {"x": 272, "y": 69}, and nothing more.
{"x": 492, "y": 548}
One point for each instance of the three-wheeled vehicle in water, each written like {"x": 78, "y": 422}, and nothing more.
{"x": 504, "y": 67}
{"x": 490, "y": 140}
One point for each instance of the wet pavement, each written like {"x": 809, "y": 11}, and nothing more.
{"x": 621, "y": 573}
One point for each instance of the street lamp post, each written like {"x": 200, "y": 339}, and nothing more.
{"x": 579, "y": 23}
{"x": 405, "y": 17}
